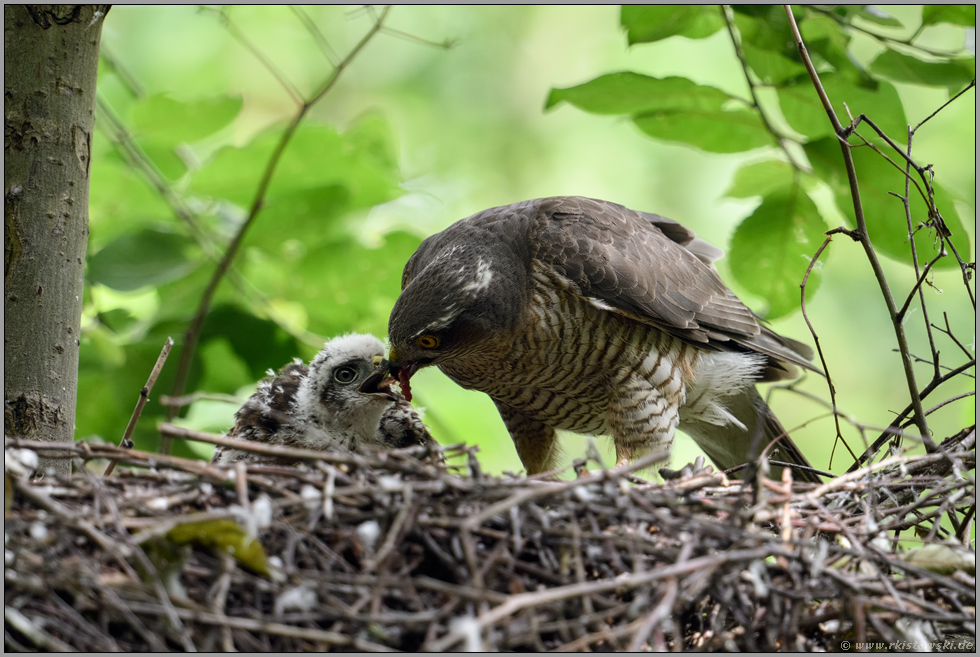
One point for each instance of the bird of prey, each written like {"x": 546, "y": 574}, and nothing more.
{"x": 583, "y": 315}
{"x": 322, "y": 406}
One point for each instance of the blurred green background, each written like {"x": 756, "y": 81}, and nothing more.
{"x": 414, "y": 137}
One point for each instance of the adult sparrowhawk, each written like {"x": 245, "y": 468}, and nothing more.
{"x": 322, "y": 406}
{"x": 583, "y": 315}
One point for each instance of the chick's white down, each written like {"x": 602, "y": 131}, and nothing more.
{"x": 321, "y": 407}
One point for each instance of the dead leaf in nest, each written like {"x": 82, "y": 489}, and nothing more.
{"x": 942, "y": 559}
{"x": 223, "y": 534}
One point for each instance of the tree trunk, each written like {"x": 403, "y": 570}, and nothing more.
{"x": 51, "y": 56}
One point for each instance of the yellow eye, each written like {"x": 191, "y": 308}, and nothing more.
{"x": 427, "y": 341}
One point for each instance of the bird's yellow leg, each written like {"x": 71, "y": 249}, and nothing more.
{"x": 536, "y": 442}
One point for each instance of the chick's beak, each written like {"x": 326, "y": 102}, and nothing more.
{"x": 379, "y": 385}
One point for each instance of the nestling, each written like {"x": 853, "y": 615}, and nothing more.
{"x": 579, "y": 314}
{"x": 322, "y": 406}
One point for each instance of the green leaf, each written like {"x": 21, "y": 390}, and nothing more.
{"x": 166, "y": 120}
{"x": 766, "y": 27}
{"x": 771, "y": 67}
{"x": 149, "y": 257}
{"x": 226, "y": 535}
{"x": 118, "y": 320}
{"x": 875, "y": 15}
{"x": 101, "y": 412}
{"x": 629, "y": 93}
{"x": 772, "y": 248}
{"x": 361, "y": 159}
{"x": 763, "y": 30}
{"x": 260, "y": 343}
{"x": 648, "y": 23}
{"x": 828, "y": 44}
{"x": 120, "y": 201}
{"x": 965, "y": 15}
{"x": 803, "y": 110}
{"x": 705, "y": 24}
{"x": 164, "y": 157}
{"x": 309, "y": 215}
{"x": 805, "y": 113}
{"x": 715, "y": 132}
{"x": 106, "y": 347}
{"x": 224, "y": 370}
{"x": 346, "y": 286}
{"x": 761, "y": 178}
{"x": 882, "y": 105}
{"x": 884, "y": 213}
{"x": 953, "y": 74}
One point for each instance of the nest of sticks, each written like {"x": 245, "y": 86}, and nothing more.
{"x": 399, "y": 552}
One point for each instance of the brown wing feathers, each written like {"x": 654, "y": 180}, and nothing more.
{"x": 637, "y": 263}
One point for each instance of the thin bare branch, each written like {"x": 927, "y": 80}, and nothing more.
{"x": 127, "y": 439}
{"x": 242, "y": 38}
{"x": 973, "y": 84}
{"x": 862, "y": 231}
{"x": 321, "y": 41}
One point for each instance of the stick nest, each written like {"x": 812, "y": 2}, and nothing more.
{"x": 395, "y": 552}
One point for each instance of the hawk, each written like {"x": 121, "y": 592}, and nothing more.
{"x": 322, "y": 406}
{"x": 583, "y": 315}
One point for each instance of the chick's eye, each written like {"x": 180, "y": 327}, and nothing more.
{"x": 427, "y": 341}
{"x": 344, "y": 375}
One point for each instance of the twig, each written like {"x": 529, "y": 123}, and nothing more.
{"x": 187, "y": 400}
{"x": 816, "y": 340}
{"x": 127, "y": 439}
{"x": 321, "y": 41}
{"x": 298, "y": 453}
{"x": 973, "y": 83}
{"x": 257, "y": 625}
{"x": 125, "y": 75}
{"x": 916, "y": 288}
{"x": 948, "y": 332}
{"x": 41, "y": 639}
{"x": 269, "y": 65}
{"x": 446, "y": 44}
{"x": 113, "y": 452}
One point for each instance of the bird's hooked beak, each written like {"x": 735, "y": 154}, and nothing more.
{"x": 403, "y": 371}
{"x": 379, "y": 383}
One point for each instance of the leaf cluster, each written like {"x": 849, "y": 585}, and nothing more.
{"x": 782, "y": 122}
{"x": 173, "y": 183}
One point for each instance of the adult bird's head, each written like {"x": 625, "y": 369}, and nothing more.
{"x": 457, "y": 296}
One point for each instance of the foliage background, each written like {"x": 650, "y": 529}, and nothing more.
{"x": 413, "y": 138}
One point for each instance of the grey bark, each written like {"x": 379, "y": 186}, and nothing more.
{"x": 51, "y": 55}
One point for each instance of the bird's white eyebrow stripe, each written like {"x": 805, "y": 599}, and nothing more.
{"x": 481, "y": 279}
